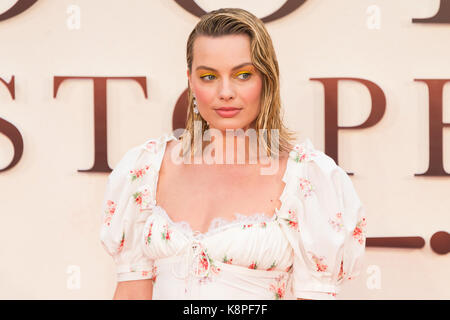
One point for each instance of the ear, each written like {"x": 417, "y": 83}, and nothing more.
{"x": 191, "y": 87}
{"x": 189, "y": 78}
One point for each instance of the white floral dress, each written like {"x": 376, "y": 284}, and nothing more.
{"x": 314, "y": 242}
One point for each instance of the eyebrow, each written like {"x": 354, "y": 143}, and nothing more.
{"x": 237, "y": 67}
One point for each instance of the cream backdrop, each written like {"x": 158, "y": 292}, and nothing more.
{"x": 50, "y": 213}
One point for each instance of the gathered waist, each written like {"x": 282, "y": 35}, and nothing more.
{"x": 228, "y": 267}
{"x": 222, "y": 281}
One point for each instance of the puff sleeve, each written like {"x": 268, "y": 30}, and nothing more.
{"x": 326, "y": 224}
{"x": 122, "y": 221}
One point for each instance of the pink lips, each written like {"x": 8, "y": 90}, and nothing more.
{"x": 227, "y": 112}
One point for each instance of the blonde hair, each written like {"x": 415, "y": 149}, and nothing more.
{"x": 228, "y": 21}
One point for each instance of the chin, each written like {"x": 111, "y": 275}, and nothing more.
{"x": 230, "y": 124}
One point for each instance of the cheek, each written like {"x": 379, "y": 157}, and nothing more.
{"x": 205, "y": 96}
{"x": 252, "y": 94}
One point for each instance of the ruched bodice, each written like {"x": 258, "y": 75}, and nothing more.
{"x": 265, "y": 247}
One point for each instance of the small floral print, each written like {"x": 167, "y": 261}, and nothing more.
{"x": 154, "y": 274}
{"x": 272, "y": 267}
{"x": 261, "y": 224}
{"x": 135, "y": 174}
{"x": 137, "y": 198}
{"x": 109, "y": 212}
{"x": 121, "y": 242}
{"x": 253, "y": 265}
{"x": 332, "y": 293}
{"x": 204, "y": 262}
{"x": 300, "y": 153}
{"x": 165, "y": 235}
{"x": 306, "y": 187}
{"x": 321, "y": 267}
{"x": 279, "y": 287}
{"x": 149, "y": 235}
{"x": 289, "y": 268}
{"x": 214, "y": 268}
{"x": 151, "y": 146}
{"x": 337, "y": 223}
{"x": 292, "y": 220}
{"x": 143, "y": 199}
{"x": 226, "y": 260}
{"x": 359, "y": 233}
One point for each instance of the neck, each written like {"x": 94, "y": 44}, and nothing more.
{"x": 231, "y": 147}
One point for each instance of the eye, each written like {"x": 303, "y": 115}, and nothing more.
{"x": 206, "y": 76}
{"x": 245, "y": 75}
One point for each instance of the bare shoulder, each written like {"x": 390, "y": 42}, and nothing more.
{"x": 171, "y": 161}
{"x": 174, "y": 146}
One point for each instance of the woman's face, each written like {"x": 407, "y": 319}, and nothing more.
{"x": 226, "y": 85}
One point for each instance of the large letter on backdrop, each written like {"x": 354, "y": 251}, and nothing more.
{"x": 442, "y": 16}
{"x": 435, "y": 89}
{"x": 287, "y": 7}
{"x": 19, "y": 7}
{"x": 10, "y": 131}
{"x": 100, "y": 107}
{"x": 331, "y": 111}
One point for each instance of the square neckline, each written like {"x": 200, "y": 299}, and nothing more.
{"x": 238, "y": 216}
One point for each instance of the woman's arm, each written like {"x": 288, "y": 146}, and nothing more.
{"x": 134, "y": 290}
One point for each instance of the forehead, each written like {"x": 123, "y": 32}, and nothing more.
{"x": 221, "y": 52}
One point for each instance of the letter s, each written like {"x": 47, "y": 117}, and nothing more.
{"x": 10, "y": 131}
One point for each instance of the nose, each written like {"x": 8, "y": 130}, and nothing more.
{"x": 226, "y": 90}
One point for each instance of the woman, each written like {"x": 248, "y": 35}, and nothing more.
{"x": 276, "y": 220}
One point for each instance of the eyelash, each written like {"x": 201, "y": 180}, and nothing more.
{"x": 207, "y": 75}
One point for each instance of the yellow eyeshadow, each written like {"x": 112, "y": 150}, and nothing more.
{"x": 241, "y": 72}
{"x": 207, "y": 74}
{"x": 212, "y": 74}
